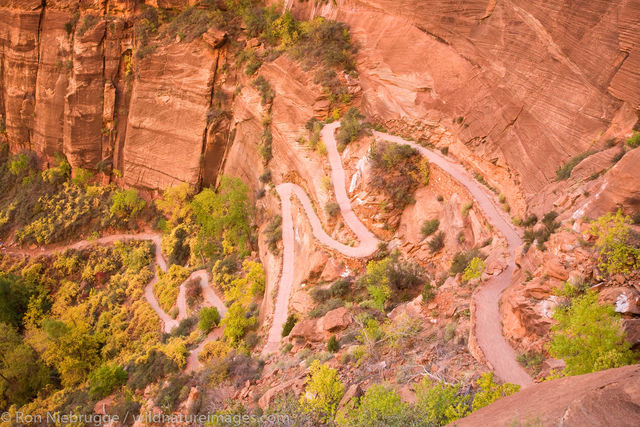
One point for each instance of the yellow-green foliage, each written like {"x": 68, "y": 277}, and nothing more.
{"x": 474, "y": 269}
{"x": 66, "y": 212}
{"x": 589, "y": 337}
{"x": 126, "y": 204}
{"x": 168, "y": 285}
{"x": 323, "y": 392}
{"x": 617, "y": 253}
{"x": 241, "y": 288}
{"x": 176, "y": 350}
{"x": 214, "y": 350}
{"x": 236, "y": 324}
{"x": 490, "y": 391}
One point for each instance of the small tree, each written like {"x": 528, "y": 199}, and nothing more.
{"x": 380, "y": 406}
{"x": 209, "y": 319}
{"x": 323, "y": 392}
{"x": 589, "y": 337}
{"x": 617, "y": 254}
{"x": 237, "y": 323}
{"x": 126, "y": 204}
{"x": 105, "y": 379}
{"x": 491, "y": 391}
{"x": 292, "y": 319}
{"x": 473, "y": 270}
{"x": 429, "y": 227}
{"x": 332, "y": 344}
{"x": 440, "y": 403}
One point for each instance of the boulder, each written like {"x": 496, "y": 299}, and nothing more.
{"x": 412, "y": 309}
{"x": 294, "y": 385}
{"x": 335, "y": 320}
{"x": 610, "y": 397}
{"x": 632, "y": 329}
{"x": 625, "y": 300}
{"x": 307, "y": 330}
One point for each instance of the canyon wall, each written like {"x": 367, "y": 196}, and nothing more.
{"x": 524, "y": 85}
{"x": 68, "y": 85}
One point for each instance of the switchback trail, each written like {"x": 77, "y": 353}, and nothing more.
{"x": 498, "y": 353}
{"x": 210, "y": 297}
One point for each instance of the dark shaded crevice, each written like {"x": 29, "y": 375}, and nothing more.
{"x": 30, "y": 130}
{"x": 207, "y": 126}
{"x": 435, "y": 36}
{"x": 513, "y": 121}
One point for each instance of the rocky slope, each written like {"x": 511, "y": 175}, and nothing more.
{"x": 608, "y": 397}
{"x": 527, "y": 84}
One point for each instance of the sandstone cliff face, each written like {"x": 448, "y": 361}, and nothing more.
{"x": 532, "y": 83}
{"x": 67, "y": 86}
{"x": 610, "y": 397}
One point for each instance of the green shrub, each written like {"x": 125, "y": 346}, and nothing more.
{"x": 266, "y": 92}
{"x": 390, "y": 274}
{"x": 564, "y": 171}
{"x": 437, "y": 242}
{"x": 379, "y": 406}
{"x": 617, "y": 251}
{"x": 350, "y": 126}
{"x": 105, "y": 379}
{"x": 398, "y": 171}
{"x": 273, "y": 233}
{"x": 332, "y": 344}
{"x": 429, "y": 227}
{"x": 237, "y": 323}
{"x": 428, "y": 292}
{"x": 292, "y": 319}
{"x": 323, "y": 392}
{"x": 126, "y": 204}
{"x": 634, "y": 140}
{"x": 490, "y": 391}
{"x": 589, "y": 337}
{"x": 461, "y": 260}
{"x": 209, "y": 319}
{"x": 473, "y": 270}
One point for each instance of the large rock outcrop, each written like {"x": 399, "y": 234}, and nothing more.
{"x": 524, "y": 85}
{"x": 610, "y": 397}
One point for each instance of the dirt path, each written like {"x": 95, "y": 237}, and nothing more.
{"x": 368, "y": 241}
{"x": 499, "y": 354}
{"x": 210, "y": 297}
{"x": 488, "y": 325}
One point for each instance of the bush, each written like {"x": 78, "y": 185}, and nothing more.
{"x": 105, "y": 379}
{"x": 236, "y": 323}
{"x": 214, "y": 350}
{"x": 564, "y": 171}
{"x": 429, "y": 227}
{"x": 209, "y": 319}
{"x": 634, "y": 140}
{"x": 266, "y": 92}
{"x": 323, "y": 392}
{"x": 428, "y": 292}
{"x": 490, "y": 391}
{"x": 332, "y": 344}
{"x": 350, "y": 126}
{"x": 332, "y": 209}
{"x": 379, "y": 406}
{"x": 273, "y": 232}
{"x": 148, "y": 369}
{"x": 461, "y": 260}
{"x": 390, "y": 274}
{"x": 292, "y": 319}
{"x": 126, "y": 204}
{"x": 473, "y": 270}
{"x": 617, "y": 251}
{"x": 589, "y": 337}
{"x": 437, "y": 242}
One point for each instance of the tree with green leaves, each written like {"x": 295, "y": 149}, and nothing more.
{"x": 589, "y": 337}
{"x": 323, "y": 392}
{"x": 490, "y": 391}
{"x": 105, "y": 379}
{"x": 22, "y": 373}
{"x": 379, "y": 406}
{"x": 224, "y": 218}
{"x": 236, "y": 323}
{"x": 614, "y": 242}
